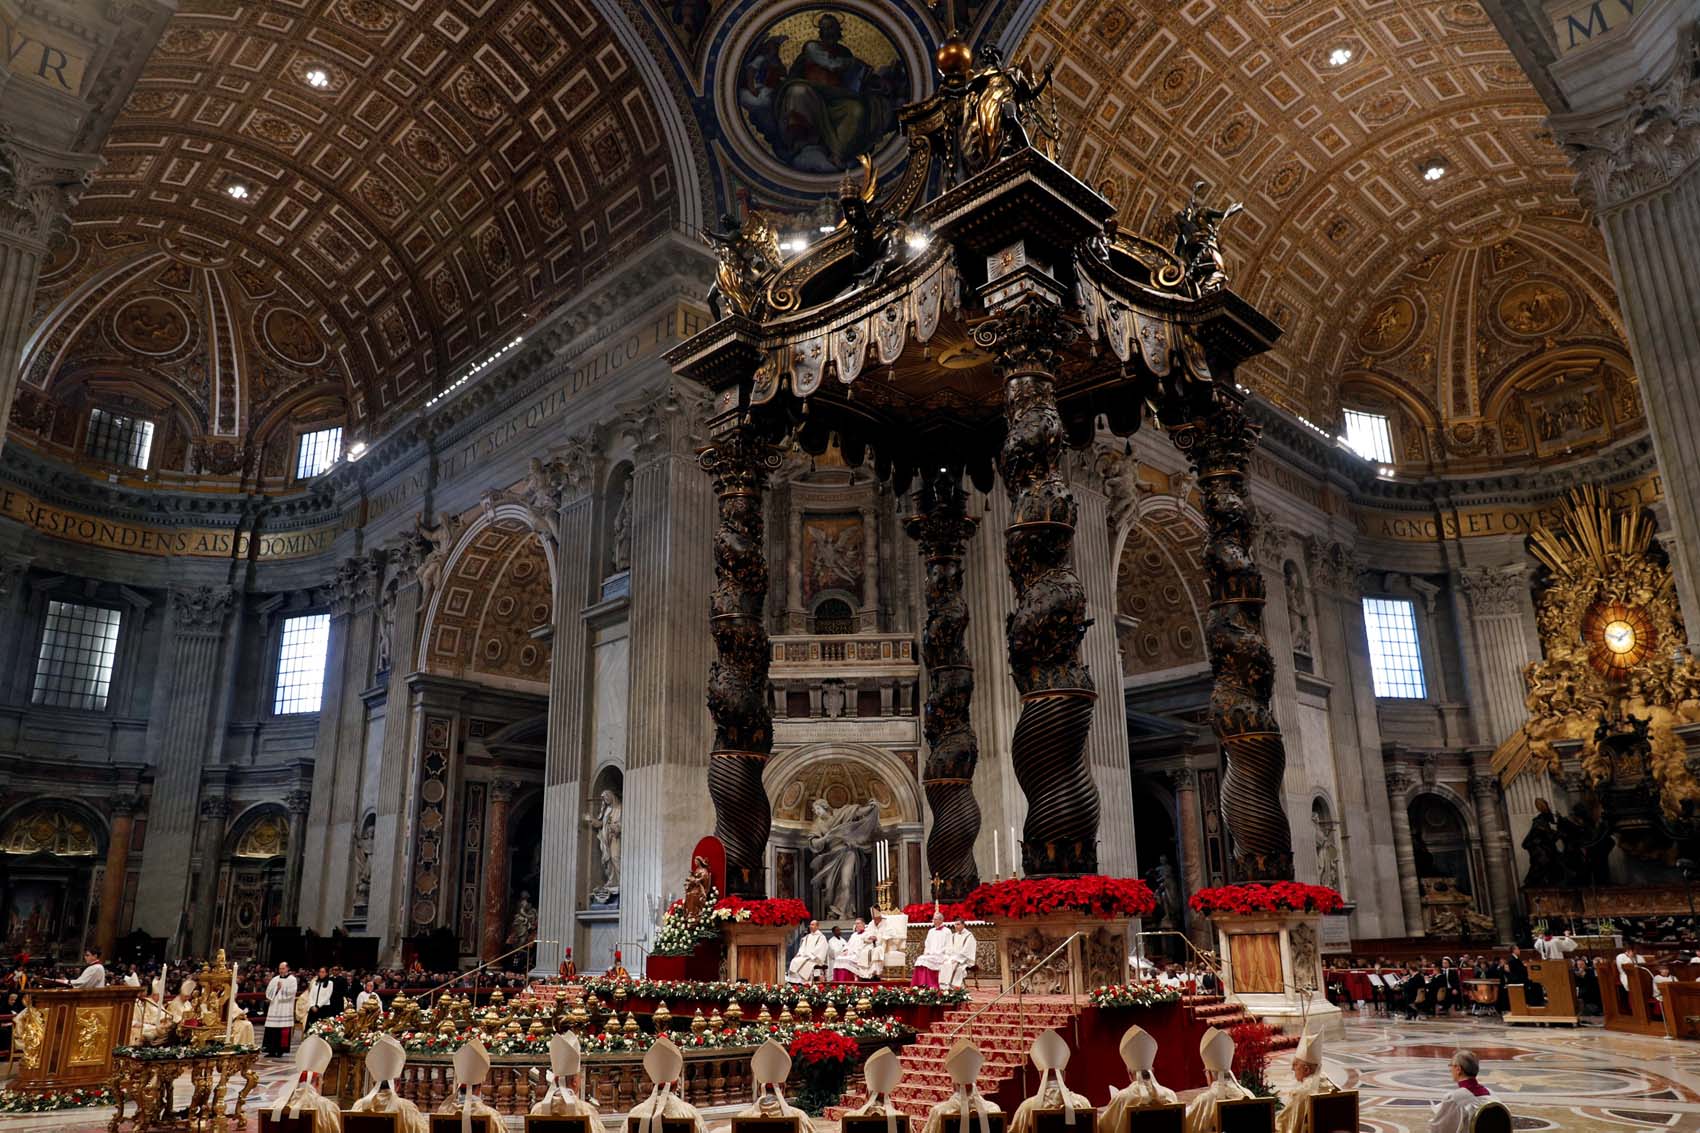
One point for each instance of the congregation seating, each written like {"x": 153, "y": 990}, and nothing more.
{"x": 1249, "y": 1115}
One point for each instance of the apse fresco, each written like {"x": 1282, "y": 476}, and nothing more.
{"x": 820, "y": 87}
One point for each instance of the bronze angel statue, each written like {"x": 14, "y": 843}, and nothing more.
{"x": 748, "y": 253}
{"x": 998, "y": 99}
{"x": 1198, "y": 245}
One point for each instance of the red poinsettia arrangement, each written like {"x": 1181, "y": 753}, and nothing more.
{"x": 812, "y": 1048}
{"x": 923, "y": 912}
{"x": 765, "y": 911}
{"x": 1096, "y": 896}
{"x": 1279, "y": 897}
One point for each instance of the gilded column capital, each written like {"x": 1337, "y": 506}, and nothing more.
{"x": 201, "y": 609}
{"x": 503, "y": 790}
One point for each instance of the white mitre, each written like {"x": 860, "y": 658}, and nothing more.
{"x": 664, "y": 1064}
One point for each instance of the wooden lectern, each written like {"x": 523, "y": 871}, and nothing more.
{"x": 68, "y": 1044}
{"x": 1560, "y": 1005}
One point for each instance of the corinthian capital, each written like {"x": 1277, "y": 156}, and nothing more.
{"x": 1643, "y": 144}
{"x": 37, "y": 187}
{"x": 201, "y": 609}
{"x": 1494, "y": 591}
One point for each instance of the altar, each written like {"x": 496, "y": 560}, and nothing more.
{"x": 64, "y": 1038}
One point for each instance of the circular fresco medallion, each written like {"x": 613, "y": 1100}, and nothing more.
{"x": 818, "y": 87}
{"x": 1533, "y": 307}
{"x": 152, "y": 326}
{"x": 291, "y": 336}
{"x": 1389, "y": 326}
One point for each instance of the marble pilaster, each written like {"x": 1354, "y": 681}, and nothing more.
{"x": 297, "y": 804}
{"x": 395, "y": 762}
{"x": 997, "y": 703}
{"x": 209, "y": 842}
{"x": 1106, "y": 743}
{"x": 493, "y": 941}
{"x": 1192, "y": 868}
{"x": 1498, "y": 628}
{"x": 117, "y": 869}
{"x": 194, "y": 659}
{"x": 1496, "y": 848}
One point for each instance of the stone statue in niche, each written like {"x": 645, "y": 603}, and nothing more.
{"x": 606, "y": 825}
{"x": 363, "y": 863}
{"x": 842, "y": 841}
{"x": 522, "y": 927}
{"x": 1298, "y": 607}
{"x": 621, "y": 551}
{"x": 1327, "y": 852}
{"x": 1166, "y": 886}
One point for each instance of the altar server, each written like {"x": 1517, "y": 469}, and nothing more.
{"x": 856, "y": 962}
{"x": 1310, "y": 1080}
{"x": 769, "y": 1067}
{"x": 472, "y": 1070}
{"x": 812, "y": 958}
{"x": 1050, "y": 1054}
{"x": 882, "y": 1072}
{"x": 280, "y": 1011}
{"x": 1627, "y": 959}
{"x": 301, "y": 1095}
{"x": 967, "y": 947}
{"x": 562, "y": 1099}
{"x": 966, "y": 1105}
{"x": 93, "y": 973}
{"x": 1139, "y": 1054}
{"x": 1216, "y": 1049}
{"x": 664, "y": 1064}
{"x": 383, "y": 1063}
{"x": 1550, "y": 947}
{"x": 938, "y": 956}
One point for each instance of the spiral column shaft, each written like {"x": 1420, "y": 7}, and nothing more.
{"x": 1044, "y": 631}
{"x": 740, "y": 462}
{"x": 1218, "y": 443}
{"x": 943, "y": 527}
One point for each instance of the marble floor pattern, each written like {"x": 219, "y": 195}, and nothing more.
{"x": 1582, "y": 1080}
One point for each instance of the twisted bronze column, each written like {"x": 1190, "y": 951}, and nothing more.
{"x": 1218, "y": 442}
{"x": 1048, "y": 749}
{"x": 942, "y": 527}
{"x": 739, "y": 461}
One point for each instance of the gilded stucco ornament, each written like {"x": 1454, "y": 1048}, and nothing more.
{"x": 748, "y": 254}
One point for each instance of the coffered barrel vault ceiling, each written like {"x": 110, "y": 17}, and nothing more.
{"x": 1328, "y": 161}
{"x": 466, "y": 165}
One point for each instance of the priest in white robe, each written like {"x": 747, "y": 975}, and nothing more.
{"x": 1216, "y": 1048}
{"x": 1550, "y": 947}
{"x": 1139, "y": 1055}
{"x": 664, "y": 1064}
{"x": 562, "y": 1098}
{"x": 856, "y": 962}
{"x": 300, "y": 1093}
{"x": 812, "y": 958}
{"x": 881, "y": 1073}
{"x": 967, "y": 948}
{"x": 1309, "y": 1081}
{"x": 280, "y": 1011}
{"x": 966, "y": 1108}
{"x": 769, "y": 1067}
{"x": 472, "y": 1070}
{"x": 384, "y": 1063}
{"x": 1050, "y": 1054}
{"x": 938, "y": 956}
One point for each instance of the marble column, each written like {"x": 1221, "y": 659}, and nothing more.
{"x": 1191, "y": 824}
{"x": 209, "y": 843}
{"x": 1496, "y": 848}
{"x": 566, "y": 758}
{"x": 1631, "y": 127}
{"x": 1399, "y": 784}
{"x": 193, "y": 657}
{"x": 117, "y": 869}
{"x": 495, "y": 930}
{"x": 297, "y": 804}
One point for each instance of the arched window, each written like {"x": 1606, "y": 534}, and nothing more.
{"x": 834, "y": 615}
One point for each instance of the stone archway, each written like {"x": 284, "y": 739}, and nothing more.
{"x": 51, "y": 850}
{"x": 496, "y": 585}
{"x": 842, "y": 775}
{"x": 256, "y": 868}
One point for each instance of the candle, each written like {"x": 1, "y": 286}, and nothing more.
{"x": 230, "y": 1015}
{"x": 997, "y": 863}
{"x": 1014, "y": 853}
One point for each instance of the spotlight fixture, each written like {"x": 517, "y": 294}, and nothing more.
{"x": 318, "y": 78}
{"x": 827, "y": 229}
{"x": 1340, "y": 56}
{"x": 917, "y": 241}
{"x": 1434, "y": 169}
{"x": 236, "y": 191}
{"x": 795, "y": 244}
{"x": 356, "y": 450}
